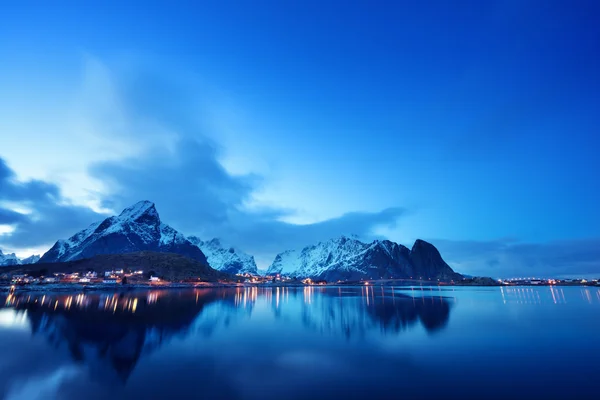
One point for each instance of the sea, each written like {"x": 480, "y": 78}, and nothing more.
{"x": 312, "y": 342}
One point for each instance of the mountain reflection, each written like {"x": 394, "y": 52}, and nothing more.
{"x": 357, "y": 310}
{"x": 110, "y": 332}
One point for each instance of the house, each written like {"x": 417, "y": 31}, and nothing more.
{"x": 22, "y": 279}
{"x": 18, "y": 278}
{"x": 154, "y": 279}
{"x": 110, "y": 280}
{"x": 84, "y": 280}
{"x": 50, "y": 279}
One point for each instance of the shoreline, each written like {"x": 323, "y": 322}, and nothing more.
{"x": 70, "y": 287}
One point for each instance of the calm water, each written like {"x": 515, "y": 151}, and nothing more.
{"x": 296, "y": 343}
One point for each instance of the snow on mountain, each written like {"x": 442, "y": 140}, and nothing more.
{"x": 8, "y": 259}
{"x": 350, "y": 259}
{"x": 12, "y": 259}
{"x": 137, "y": 228}
{"x": 225, "y": 258}
{"x": 31, "y": 259}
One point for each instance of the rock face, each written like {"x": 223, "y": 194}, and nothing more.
{"x": 137, "y": 228}
{"x": 8, "y": 259}
{"x": 350, "y": 259}
{"x": 225, "y": 258}
{"x": 427, "y": 262}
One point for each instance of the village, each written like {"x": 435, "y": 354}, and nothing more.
{"x": 111, "y": 277}
{"x": 140, "y": 277}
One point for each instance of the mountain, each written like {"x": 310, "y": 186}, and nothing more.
{"x": 8, "y": 259}
{"x": 225, "y": 259}
{"x": 428, "y": 262}
{"x": 350, "y": 259}
{"x": 137, "y": 228}
{"x": 12, "y": 259}
{"x": 31, "y": 259}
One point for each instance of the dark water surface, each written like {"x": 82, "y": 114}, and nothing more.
{"x": 303, "y": 343}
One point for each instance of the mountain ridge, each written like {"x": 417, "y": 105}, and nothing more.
{"x": 225, "y": 258}
{"x": 12, "y": 259}
{"x": 138, "y": 228}
{"x": 347, "y": 258}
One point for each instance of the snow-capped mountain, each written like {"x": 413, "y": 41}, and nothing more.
{"x": 8, "y": 259}
{"x": 12, "y": 259}
{"x": 137, "y": 228}
{"x": 350, "y": 259}
{"x": 31, "y": 259}
{"x": 225, "y": 258}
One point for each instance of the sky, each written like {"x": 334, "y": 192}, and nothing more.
{"x": 274, "y": 125}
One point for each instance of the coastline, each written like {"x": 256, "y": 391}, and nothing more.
{"x": 74, "y": 287}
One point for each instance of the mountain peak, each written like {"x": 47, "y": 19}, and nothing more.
{"x": 423, "y": 245}
{"x": 225, "y": 258}
{"x": 427, "y": 259}
{"x": 139, "y": 209}
{"x": 342, "y": 239}
{"x": 137, "y": 228}
{"x": 8, "y": 259}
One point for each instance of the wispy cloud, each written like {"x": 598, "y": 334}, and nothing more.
{"x": 51, "y": 216}
{"x": 170, "y": 159}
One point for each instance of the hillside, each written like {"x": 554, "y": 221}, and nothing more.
{"x": 170, "y": 266}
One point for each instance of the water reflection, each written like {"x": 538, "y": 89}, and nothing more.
{"x": 109, "y": 332}
{"x": 357, "y": 310}
{"x": 112, "y": 331}
{"x": 547, "y": 295}
{"x": 295, "y": 343}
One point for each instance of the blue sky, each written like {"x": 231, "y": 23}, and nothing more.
{"x": 276, "y": 124}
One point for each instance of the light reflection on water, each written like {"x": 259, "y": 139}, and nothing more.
{"x": 305, "y": 342}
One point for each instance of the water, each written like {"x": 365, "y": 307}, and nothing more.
{"x": 296, "y": 343}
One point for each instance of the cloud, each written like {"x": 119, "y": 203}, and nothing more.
{"x": 52, "y": 216}
{"x": 171, "y": 159}
{"x": 178, "y": 168}
{"x": 195, "y": 194}
{"x": 505, "y": 258}
{"x": 9, "y": 217}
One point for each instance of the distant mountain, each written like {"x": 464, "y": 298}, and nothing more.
{"x": 8, "y": 259}
{"x": 224, "y": 258}
{"x": 31, "y": 259}
{"x": 137, "y": 228}
{"x": 350, "y": 259}
{"x": 12, "y": 259}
